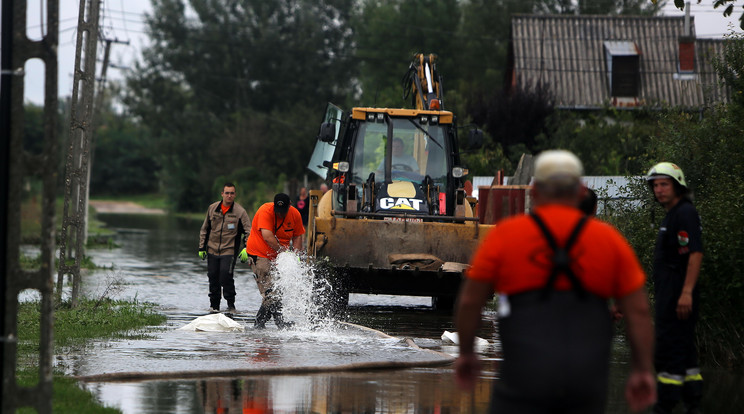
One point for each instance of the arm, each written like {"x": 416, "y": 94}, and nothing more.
{"x": 204, "y": 232}
{"x": 270, "y": 239}
{"x": 684, "y": 304}
{"x": 640, "y": 390}
{"x": 245, "y": 221}
{"x": 297, "y": 243}
{"x": 473, "y": 295}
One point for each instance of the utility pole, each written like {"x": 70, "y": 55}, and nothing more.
{"x": 6, "y": 71}
{"x": 78, "y": 155}
{"x": 96, "y": 120}
{"x": 17, "y": 166}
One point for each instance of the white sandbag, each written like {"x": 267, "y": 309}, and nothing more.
{"x": 452, "y": 337}
{"x": 215, "y": 322}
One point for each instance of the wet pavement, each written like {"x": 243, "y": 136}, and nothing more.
{"x": 332, "y": 368}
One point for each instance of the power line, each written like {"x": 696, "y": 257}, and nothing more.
{"x": 42, "y": 25}
{"x": 122, "y": 11}
{"x": 124, "y": 21}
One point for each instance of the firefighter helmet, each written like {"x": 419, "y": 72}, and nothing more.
{"x": 667, "y": 169}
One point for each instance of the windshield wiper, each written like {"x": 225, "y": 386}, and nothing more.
{"x": 425, "y": 132}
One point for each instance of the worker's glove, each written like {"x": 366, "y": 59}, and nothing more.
{"x": 202, "y": 254}
{"x": 243, "y": 256}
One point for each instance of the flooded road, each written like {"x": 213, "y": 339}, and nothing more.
{"x": 157, "y": 262}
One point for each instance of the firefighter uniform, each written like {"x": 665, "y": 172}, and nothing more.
{"x": 678, "y": 373}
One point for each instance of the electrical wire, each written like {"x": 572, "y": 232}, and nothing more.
{"x": 123, "y": 20}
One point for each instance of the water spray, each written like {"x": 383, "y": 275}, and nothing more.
{"x": 304, "y": 290}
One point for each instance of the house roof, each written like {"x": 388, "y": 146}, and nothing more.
{"x": 570, "y": 53}
{"x": 706, "y": 49}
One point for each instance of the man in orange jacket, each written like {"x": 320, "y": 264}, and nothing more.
{"x": 276, "y": 226}
{"x": 555, "y": 269}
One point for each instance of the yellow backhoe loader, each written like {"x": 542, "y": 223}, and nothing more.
{"x": 396, "y": 219}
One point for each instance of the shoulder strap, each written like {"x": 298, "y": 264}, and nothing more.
{"x": 561, "y": 257}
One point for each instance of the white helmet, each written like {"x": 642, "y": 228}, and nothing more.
{"x": 667, "y": 169}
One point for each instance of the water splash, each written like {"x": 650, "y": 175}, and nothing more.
{"x": 304, "y": 291}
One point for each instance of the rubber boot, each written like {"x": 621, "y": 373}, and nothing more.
{"x": 276, "y": 311}
{"x": 692, "y": 395}
{"x": 668, "y": 397}
{"x": 662, "y": 408}
{"x": 262, "y": 316}
{"x": 214, "y": 307}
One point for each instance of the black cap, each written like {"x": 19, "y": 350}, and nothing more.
{"x": 281, "y": 203}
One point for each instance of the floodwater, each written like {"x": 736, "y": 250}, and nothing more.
{"x": 331, "y": 368}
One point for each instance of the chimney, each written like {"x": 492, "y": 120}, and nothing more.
{"x": 687, "y": 46}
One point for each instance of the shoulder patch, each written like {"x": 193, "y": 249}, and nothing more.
{"x": 683, "y": 238}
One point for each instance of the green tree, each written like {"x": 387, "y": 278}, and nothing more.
{"x": 389, "y": 32}
{"x": 515, "y": 119}
{"x": 216, "y": 66}
{"x": 619, "y": 7}
{"x": 33, "y": 140}
{"x": 483, "y": 45}
{"x": 730, "y": 67}
{"x": 123, "y": 160}
{"x": 609, "y": 142}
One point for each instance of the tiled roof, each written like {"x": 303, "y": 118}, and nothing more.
{"x": 569, "y": 53}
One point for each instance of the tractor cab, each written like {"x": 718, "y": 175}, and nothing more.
{"x": 391, "y": 162}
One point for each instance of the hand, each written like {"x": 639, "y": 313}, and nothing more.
{"x": 202, "y": 254}
{"x": 684, "y": 306}
{"x": 243, "y": 256}
{"x": 640, "y": 390}
{"x": 467, "y": 370}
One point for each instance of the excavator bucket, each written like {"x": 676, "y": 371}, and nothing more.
{"x": 395, "y": 257}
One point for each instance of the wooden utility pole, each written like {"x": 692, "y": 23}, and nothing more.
{"x": 77, "y": 163}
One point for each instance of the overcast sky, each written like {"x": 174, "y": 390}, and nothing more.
{"x": 123, "y": 20}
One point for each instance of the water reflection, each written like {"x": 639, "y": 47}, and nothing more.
{"x": 419, "y": 391}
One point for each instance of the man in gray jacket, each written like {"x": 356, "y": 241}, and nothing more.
{"x": 219, "y": 242}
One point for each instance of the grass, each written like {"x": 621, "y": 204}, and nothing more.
{"x": 67, "y": 397}
{"x": 93, "y": 318}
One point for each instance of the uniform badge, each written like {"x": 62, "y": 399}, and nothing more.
{"x": 683, "y": 238}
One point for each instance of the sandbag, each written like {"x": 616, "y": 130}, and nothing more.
{"x": 453, "y": 337}
{"x": 215, "y": 322}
